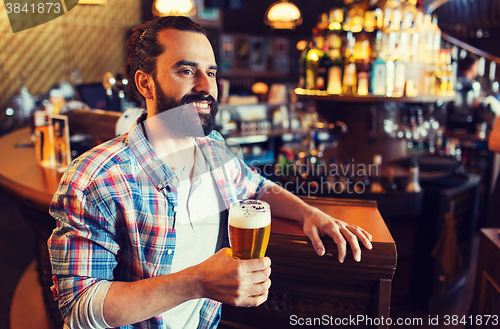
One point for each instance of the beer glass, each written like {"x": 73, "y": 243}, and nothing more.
{"x": 249, "y": 228}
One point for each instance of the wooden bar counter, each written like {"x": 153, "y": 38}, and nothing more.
{"x": 304, "y": 285}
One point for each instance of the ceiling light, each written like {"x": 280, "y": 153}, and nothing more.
{"x": 174, "y": 8}
{"x": 283, "y": 15}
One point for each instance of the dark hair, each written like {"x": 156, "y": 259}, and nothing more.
{"x": 143, "y": 47}
{"x": 466, "y": 63}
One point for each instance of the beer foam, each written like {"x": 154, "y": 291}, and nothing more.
{"x": 249, "y": 217}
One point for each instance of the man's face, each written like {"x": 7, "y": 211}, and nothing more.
{"x": 186, "y": 73}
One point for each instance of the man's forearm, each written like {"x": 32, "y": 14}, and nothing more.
{"x": 220, "y": 277}
{"x": 286, "y": 205}
{"x": 494, "y": 141}
{"x": 131, "y": 302}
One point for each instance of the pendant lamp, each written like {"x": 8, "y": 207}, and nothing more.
{"x": 174, "y": 8}
{"x": 283, "y": 15}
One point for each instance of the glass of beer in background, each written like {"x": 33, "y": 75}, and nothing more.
{"x": 249, "y": 228}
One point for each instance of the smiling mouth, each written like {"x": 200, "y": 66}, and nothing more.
{"x": 203, "y": 107}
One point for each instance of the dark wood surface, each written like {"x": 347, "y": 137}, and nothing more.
{"x": 307, "y": 286}
{"x": 486, "y": 299}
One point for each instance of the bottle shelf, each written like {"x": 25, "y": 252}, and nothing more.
{"x": 324, "y": 96}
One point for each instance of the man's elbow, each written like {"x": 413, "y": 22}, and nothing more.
{"x": 494, "y": 144}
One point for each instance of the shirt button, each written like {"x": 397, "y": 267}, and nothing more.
{"x": 160, "y": 186}
{"x": 174, "y": 208}
{"x": 169, "y": 251}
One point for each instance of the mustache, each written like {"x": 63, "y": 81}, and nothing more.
{"x": 197, "y": 97}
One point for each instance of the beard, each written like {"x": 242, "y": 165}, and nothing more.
{"x": 207, "y": 120}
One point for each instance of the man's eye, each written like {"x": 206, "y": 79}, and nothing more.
{"x": 211, "y": 74}
{"x": 187, "y": 72}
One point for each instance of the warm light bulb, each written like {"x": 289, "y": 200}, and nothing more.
{"x": 283, "y": 15}
{"x": 284, "y": 12}
{"x": 174, "y": 7}
{"x": 166, "y": 6}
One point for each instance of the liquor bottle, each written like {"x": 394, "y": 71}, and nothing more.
{"x": 379, "y": 77}
{"x": 414, "y": 186}
{"x": 364, "y": 78}
{"x": 436, "y": 38}
{"x": 334, "y": 84}
{"x": 374, "y": 17}
{"x": 393, "y": 22}
{"x": 336, "y": 18}
{"x": 409, "y": 15}
{"x": 415, "y": 42}
{"x": 376, "y": 43}
{"x": 389, "y": 78}
{"x": 399, "y": 78}
{"x": 426, "y": 41}
{"x": 349, "y": 81}
{"x": 334, "y": 32}
{"x": 403, "y": 48}
{"x": 312, "y": 58}
{"x": 439, "y": 71}
{"x": 362, "y": 50}
{"x": 355, "y": 17}
{"x": 407, "y": 29}
{"x": 493, "y": 85}
{"x": 445, "y": 70}
{"x": 387, "y": 15}
{"x": 319, "y": 32}
{"x": 324, "y": 65}
{"x": 303, "y": 67}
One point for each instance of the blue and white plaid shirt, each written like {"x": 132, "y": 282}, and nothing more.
{"x": 115, "y": 213}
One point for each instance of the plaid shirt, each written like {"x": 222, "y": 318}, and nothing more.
{"x": 115, "y": 212}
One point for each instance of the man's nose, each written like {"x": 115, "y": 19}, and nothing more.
{"x": 205, "y": 84}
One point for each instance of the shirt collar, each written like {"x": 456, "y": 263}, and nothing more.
{"x": 158, "y": 172}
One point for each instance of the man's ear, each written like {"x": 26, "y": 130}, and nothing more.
{"x": 145, "y": 84}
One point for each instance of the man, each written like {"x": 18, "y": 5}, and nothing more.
{"x": 139, "y": 216}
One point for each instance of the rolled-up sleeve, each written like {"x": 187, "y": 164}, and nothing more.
{"x": 83, "y": 247}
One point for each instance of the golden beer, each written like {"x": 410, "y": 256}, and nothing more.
{"x": 249, "y": 228}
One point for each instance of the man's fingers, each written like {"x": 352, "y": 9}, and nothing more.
{"x": 353, "y": 242}
{"x": 315, "y": 240}
{"x": 362, "y": 235}
{"x": 334, "y": 231}
{"x": 254, "y": 300}
{"x": 258, "y": 264}
{"x": 258, "y": 277}
{"x": 255, "y": 294}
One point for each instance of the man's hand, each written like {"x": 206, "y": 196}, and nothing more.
{"x": 233, "y": 281}
{"x": 220, "y": 277}
{"x": 318, "y": 224}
